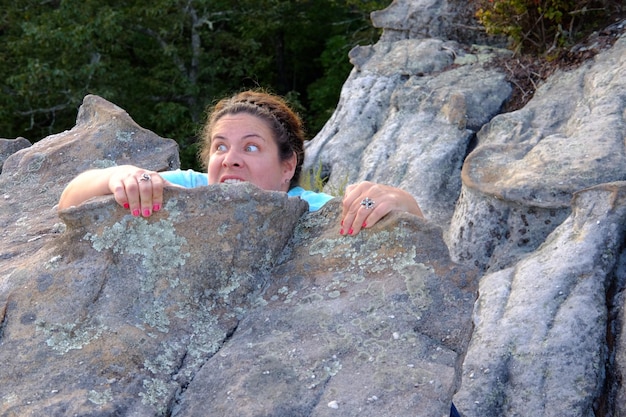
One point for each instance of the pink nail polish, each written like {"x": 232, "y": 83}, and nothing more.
{"x": 342, "y": 222}
{"x": 136, "y": 212}
{"x": 156, "y": 207}
{"x": 364, "y": 225}
{"x": 350, "y": 231}
{"x": 146, "y": 212}
{"x": 341, "y": 232}
{"x": 126, "y": 206}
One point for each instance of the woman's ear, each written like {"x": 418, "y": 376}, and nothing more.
{"x": 289, "y": 167}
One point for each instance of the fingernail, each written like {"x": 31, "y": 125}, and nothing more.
{"x": 136, "y": 212}
{"x": 146, "y": 212}
{"x": 350, "y": 231}
{"x": 126, "y": 206}
{"x": 342, "y": 222}
{"x": 156, "y": 207}
{"x": 364, "y": 225}
{"x": 341, "y": 232}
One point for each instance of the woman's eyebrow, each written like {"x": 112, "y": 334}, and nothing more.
{"x": 244, "y": 137}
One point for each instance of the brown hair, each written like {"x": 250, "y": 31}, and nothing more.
{"x": 284, "y": 122}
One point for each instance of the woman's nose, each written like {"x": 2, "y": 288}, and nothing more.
{"x": 231, "y": 158}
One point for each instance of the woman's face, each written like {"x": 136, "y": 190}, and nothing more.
{"x": 243, "y": 148}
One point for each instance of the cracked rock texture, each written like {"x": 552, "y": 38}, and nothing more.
{"x": 507, "y": 300}
{"x": 229, "y": 301}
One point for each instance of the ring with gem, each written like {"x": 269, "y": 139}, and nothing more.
{"x": 368, "y": 203}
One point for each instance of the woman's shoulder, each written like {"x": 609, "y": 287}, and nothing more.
{"x": 316, "y": 200}
{"x": 186, "y": 178}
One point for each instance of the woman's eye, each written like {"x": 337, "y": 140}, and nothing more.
{"x": 252, "y": 148}
{"x": 220, "y": 148}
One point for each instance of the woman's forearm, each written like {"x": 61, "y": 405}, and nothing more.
{"x": 89, "y": 184}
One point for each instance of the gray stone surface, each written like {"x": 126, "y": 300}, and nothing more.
{"x": 230, "y": 293}
{"x": 537, "y": 349}
{"x": 539, "y": 345}
{"x": 406, "y": 118}
{"x": 519, "y": 181}
{"x": 9, "y": 146}
{"x": 508, "y": 299}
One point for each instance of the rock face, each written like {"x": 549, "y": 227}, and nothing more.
{"x": 229, "y": 293}
{"x": 507, "y": 300}
{"x": 532, "y": 199}
{"x": 9, "y": 146}
{"x": 395, "y": 124}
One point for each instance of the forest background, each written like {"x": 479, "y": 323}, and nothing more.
{"x": 165, "y": 61}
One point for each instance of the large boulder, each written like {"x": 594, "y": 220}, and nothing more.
{"x": 406, "y": 117}
{"x": 540, "y": 346}
{"x": 531, "y": 198}
{"x": 507, "y": 299}
{"x": 519, "y": 181}
{"x": 9, "y": 146}
{"x": 229, "y": 301}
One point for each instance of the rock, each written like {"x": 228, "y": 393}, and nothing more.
{"x": 9, "y": 146}
{"x": 508, "y": 298}
{"x": 438, "y": 19}
{"x": 124, "y": 311}
{"x": 538, "y": 205}
{"x": 519, "y": 181}
{"x": 32, "y": 179}
{"x": 343, "y": 321}
{"x": 403, "y": 121}
{"x": 229, "y": 293}
{"x": 538, "y": 347}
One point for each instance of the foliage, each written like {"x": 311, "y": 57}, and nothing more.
{"x": 542, "y": 26}
{"x": 316, "y": 179}
{"x": 165, "y": 61}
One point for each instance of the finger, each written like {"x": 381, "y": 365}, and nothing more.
{"x": 350, "y": 211}
{"x": 145, "y": 194}
{"x": 157, "y": 191}
{"x": 371, "y": 217}
{"x": 348, "y": 198}
{"x": 357, "y": 215}
{"x": 131, "y": 188}
{"x": 119, "y": 193}
{"x": 368, "y": 214}
{"x": 355, "y": 192}
{"x": 351, "y": 203}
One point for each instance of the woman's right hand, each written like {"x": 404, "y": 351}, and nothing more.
{"x": 136, "y": 189}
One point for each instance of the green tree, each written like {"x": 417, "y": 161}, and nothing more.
{"x": 165, "y": 61}
{"x": 544, "y": 26}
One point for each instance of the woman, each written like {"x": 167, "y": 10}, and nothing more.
{"x": 251, "y": 137}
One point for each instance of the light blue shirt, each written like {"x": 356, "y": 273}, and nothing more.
{"x": 192, "y": 179}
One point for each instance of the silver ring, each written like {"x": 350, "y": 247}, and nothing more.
{"x": 144, "y": 177}
{"x": 368, "y": 203}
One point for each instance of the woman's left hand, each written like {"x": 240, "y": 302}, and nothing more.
{"x": 365, "y": 203}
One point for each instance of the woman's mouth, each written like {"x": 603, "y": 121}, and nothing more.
{"x": 232, "y": 181}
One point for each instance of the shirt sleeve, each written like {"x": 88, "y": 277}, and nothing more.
{"x": 316, "y": 200}
{"x": 192, "y": 179}
{"x": 186, "y": 178}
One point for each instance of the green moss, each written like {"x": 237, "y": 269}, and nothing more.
{"x": 103, "y": 163}
{"x": 124, "y": 136}
{"x": 100, "y": 398}
{"x": 156, "y": 244}
{"x": 166, "y": 360}
{"x": 36, "y": 162}
{"x": 69, "y": 336}
{"x": 155, "y": 315}
{"x": 156, "y": 394}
